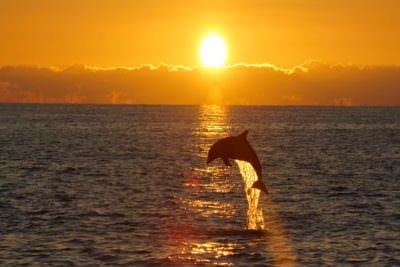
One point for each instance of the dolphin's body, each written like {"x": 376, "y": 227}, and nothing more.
{"x": 237, "y": 147}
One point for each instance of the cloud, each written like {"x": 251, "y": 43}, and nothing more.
{"x": 313, "y": 83}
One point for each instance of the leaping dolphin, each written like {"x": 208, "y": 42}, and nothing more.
{"x": 237, "y": 147}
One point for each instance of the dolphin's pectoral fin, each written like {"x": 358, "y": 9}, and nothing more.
{"x": 261, "y": 186}
{"x": 227, "y": 162}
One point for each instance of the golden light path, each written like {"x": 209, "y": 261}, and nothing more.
{"x": 280, "y": 245}
{"x": 212, "y": 125}
{"x": 262, "y": 214}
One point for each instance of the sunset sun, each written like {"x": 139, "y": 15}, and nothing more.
{"x": 213, "y": 51}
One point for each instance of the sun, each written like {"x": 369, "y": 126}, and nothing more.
{"x": 213, "y": 51}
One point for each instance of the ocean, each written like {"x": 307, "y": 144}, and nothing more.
{"x": 128, "y": 185}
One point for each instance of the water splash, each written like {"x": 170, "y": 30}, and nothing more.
{"x": 255, "y": 218}
{"x": 280, "y": 245}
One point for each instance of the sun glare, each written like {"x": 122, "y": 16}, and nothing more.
{"x": 213, "y": 51}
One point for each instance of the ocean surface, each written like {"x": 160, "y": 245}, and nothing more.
{"x": 89, "y": 185}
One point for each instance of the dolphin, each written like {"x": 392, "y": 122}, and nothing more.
{"x": 237, "y": 147}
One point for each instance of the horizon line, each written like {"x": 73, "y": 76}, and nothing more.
{"x": 189, "y": 105}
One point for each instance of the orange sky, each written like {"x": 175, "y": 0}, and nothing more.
{"x": 280, "y": 52}
{"x": 111, "y": 33}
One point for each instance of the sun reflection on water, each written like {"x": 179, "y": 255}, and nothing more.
{"x": 212, "y": 125}
{"x": 213, "y": 179}
{"x": 208, "y": 190}
{"x": 200, "y": 183}
{"x": 209, "y": 208}
{"x": 211, "y": 253}
{"x": 219, "y": 249}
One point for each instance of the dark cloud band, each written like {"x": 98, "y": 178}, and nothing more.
{"x": 313, "y": 83}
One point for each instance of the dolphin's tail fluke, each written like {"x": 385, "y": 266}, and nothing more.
{"x": 261, "y": 186}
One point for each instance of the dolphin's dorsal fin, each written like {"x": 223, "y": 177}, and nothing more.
{"x": 244, "y": 134}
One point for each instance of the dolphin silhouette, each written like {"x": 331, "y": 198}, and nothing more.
{"x": 237, "y": 147}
